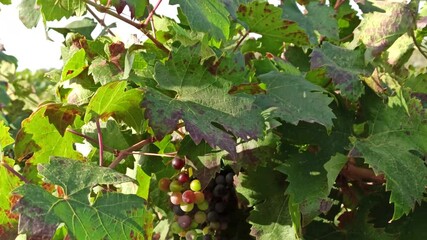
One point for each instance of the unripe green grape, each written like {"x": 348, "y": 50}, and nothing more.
{"x": 191, "y": 235}
{"x": 175, "y": 228}
{"x": 200, "y": 217}
{"x": 195, "y": 185}
{"x": 187, "y": 207}
{"x": 203, "y": 205}
{"x": 175, "y": 186}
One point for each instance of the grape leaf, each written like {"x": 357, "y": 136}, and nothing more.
{"x": 28, "y": 14}
{"x": 75, "y": 65}
{"x": 9, "y": 182}
{"x": 104, "y": 71}
{"x": 61, "y": 116}
{"x": 112, "y": 215}
{"x": 137, "y": 7}
{"x": 41, "y": 137}
{"x": 206, "y": 16}
{"x": 6, "y": 2}
{"x": 270, "y": 217}
{"x": 318, "y": 22}
{"x": 267, "y": 20}
{"x": 345, "y": 68}
{"x": 115, "y": 100}
{"x": 61, "y": 8}
{"x": 394, "y": 150}
{"x": 379, "y": 29}
{"x": 5, "y": 138}
{"x": 202, "y": 101}
{"x": 84, "y": 27}
{"x": 294, "y": 99}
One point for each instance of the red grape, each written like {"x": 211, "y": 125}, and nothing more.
{"x": 178, "y": 163}
{"x": 183, "y": 177}
{"x": 188, "y": 196}
{"x": 176, "y": 198}
{"x": 164, "y": 184}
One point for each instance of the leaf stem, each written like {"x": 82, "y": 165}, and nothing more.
{"x": 124, "y": 153}
{"x": 150, "y": 15}
{"x": 172, "y": 154}
{"x": 100, "y": 143}
{"x": 139, "y": 26}
{"x": 240, "y": 41}
{"x": 101, "y": 21}
{"x": 11, "y": 170}
{"x": 89, "y": 139}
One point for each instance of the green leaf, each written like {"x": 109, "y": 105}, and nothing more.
{"x": 318, "y": 22}
{"x": 84, "y": 27}
{"x": 267, "y": 20}
{"x": 345, "y": 68}
{"x": 9, "y": 182}
{"x": 111, "y": 215}
{"x": 41, "y": 137}
{"x": 393, "y": 148}
{"x": 79, "y": 176}
{"x": 270, "y": 217}
{"x": 206, "y": 16}
{"x": 5, "y": 138}
{"x": 202, "y": 101}
{"x": 115, "y": 100}
{"x": 294, "y": 99}
{"x": 104, "y": 71}
{"x": 379, "y": 29}
{"x": 137, "y": 7}
{"x": 76, "y": 64}
{"x": 28, "y": 13}
{"x": 55, "y": 10}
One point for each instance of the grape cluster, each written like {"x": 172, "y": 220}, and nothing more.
{"x": 199, "y": 212}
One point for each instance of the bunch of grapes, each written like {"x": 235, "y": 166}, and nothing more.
{"x": 199, "y": 211}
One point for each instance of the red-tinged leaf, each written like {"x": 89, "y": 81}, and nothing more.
{"x": 62, "y": 116}
{"x": 202, "y": 101}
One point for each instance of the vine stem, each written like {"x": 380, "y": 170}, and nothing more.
{"x": 172, "y": 154}
{"x": 100, "y": 143}
{"x": 139, "y": 26}
{"x": 93, "y": 140}
{"x": 124, "y": 153}
{"x": 11, "y": 170}
{"x": 150, "y": 15}
{"x": 240, "y": 41}
{"x": 101, "y": 21}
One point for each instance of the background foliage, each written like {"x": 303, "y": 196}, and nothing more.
{"x": 320, "y": 112}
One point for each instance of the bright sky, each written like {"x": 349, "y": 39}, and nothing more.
{"x": 33, "y": 49}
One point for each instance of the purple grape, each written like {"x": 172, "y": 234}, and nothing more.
{"x": 184, "y": 221}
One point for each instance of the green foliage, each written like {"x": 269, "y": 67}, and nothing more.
{"x": 320, "y": 114}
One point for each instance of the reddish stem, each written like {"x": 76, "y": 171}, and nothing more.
{"x": 126, "y": 152}
{"x": 11, "y": 170}
{"x": 93, "y": 140}
{"x": 100, "y": 143}
{"x": 150, "y": 15}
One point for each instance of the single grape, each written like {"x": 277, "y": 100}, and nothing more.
{"x": 215, "y": 225}
{"x": 220, "y": 179}
{"x": 206, "y": 230}
{"x": 183, "y": 177}
{"x": 176, "y": 198}
{"x": 164, "y": 184}
{"x": 177, "y": 210}
{"x": 220, "y": 207}
{"x": 191, "y": 235}
{"x": 178, "y": 163}
{"x": 213, "y": 216}
{"x": 203, "y": 205}
{"x": 175, "y": 186}
{"x": 199, "y": 197}
{"x": 195, "y": 185}
{"x": 188, "y": 196}
{"x": 200, "y": 217}
{"x": 175, "y": 228}
{"x": 229, "y": 178}
{"x": 219, "y": 190}
{"x": 184, "y": 221}
{"x": 187, "y": 207}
